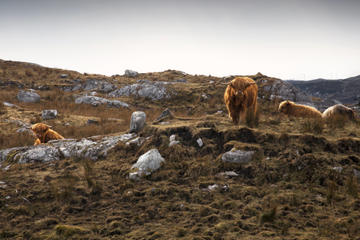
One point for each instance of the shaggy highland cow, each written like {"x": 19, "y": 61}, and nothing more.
{"x": 240, "y": 97}
{"x": 44, "y": 133}
{"x": 339, "y": 110}
{"x": 297, "y": 110}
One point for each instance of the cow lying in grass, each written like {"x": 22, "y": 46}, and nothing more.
{"x": 297, "y": 110}
{"x": 240, "y": 97}
{"x": 339, "y": 111}
{"x": 44, "y": 133}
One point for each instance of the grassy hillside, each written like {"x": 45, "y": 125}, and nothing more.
{"x": 300, "y": 184}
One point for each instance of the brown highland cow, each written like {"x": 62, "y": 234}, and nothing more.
{"x": 337, "y": 111}
{"x": 240, "y": 97}
{"x": 297, "y": 110}
{"x": 44, "y": 133}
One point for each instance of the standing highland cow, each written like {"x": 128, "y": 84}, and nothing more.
{"x": 44, "y": 133}
{"x": 339, "y": 111}
{"x": 297, "y": 110}
{"x": 240, "y": 97}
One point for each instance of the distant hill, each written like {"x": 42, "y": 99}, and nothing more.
{"x": 346, "y": 91}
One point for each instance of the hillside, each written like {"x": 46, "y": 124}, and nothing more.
{"x": 346, "y": 91}
{"x": 300, "y": 181}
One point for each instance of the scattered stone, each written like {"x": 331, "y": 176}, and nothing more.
{"x": 64, "y": 75}
{"x": 211, "y": 81}
{"x": 199, "y": 142}
{"x": 228, "y": 174}
{"x": 172, "y": 140}
{"x": 98, "y": 85}
{"x": 147, "y": 164}
{"x": 137, "y": 121}
{"x": 130, "y": 73}
{"x": 181, "y": 80}
{"x": 338, "y": 169}
{"x": 49, "y": 114}
{"x": 66, "y": 148}
{"x": 2, "y": 185}
{"x": 164, "y": 123}
{"x": 136, "y": 141}
{"x": 237, "y": 156}
{"x": 166, "y": 114}
{"x": 213, "y": 187}
{"x": 96, "y": 101}
{"x": 7, "y": 104}
{"x": 150, "y": 90}
{"x": 28, "y": 96}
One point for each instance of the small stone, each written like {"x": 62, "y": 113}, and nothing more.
{"x": 64, "y": 75}
{"x": 338, "y": 169}
{"x": 130, "y": 73}
{"x": 199, "y": 142}
{"x": 172, "y": 138}
{"x": 49, "y": 114}
{"x": 237, "y": 156}
{"x": 173, "y": 143}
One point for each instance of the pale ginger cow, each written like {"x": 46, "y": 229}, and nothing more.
{"x": 297, "y": 110}
{"x": 339, "y": 111}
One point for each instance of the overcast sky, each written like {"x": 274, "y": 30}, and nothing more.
{"x": 289, "y": 39}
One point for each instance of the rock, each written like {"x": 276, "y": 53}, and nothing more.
{"x": 7, "y": 104}
{"x": 96, "y": 101}
{"x": 64, "y": 75}
{"x": 166, "y": 114}
{"x": 213, "y": 187}
{"x": 98, "y": 85}
{"x": 147, "y": 164}
{"x": 28, "y": 96}
{"x": 181, "y": 80}
{"x": 49, "y": 114}
{"x": 130, "y": 73}
{"x": 228, "y": 174}
{"x": 136, "y": 141}
{"x": 137, "y": 121}
{"x": 338, "y": 169}
{"x": 172, "y": 138}
{"x": 153, "y": 91}
{"x": 58, "y": 149}
{"x": 199, "y": 142}
{"x": 237, "y": 156}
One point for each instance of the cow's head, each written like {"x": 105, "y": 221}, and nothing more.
{"x": 239, "y": 92}
{"x": 284, "y": 106}
{"x": 40, "y": 129}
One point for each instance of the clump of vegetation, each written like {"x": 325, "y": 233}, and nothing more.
{"x": 352, "y": 186}
{"x": 67, "y": 231}
{"x": 252, "y": 120}
{"x": 268, "y": 216}
{"x": 3, "y": 109}
{"x": 315, "y": 126}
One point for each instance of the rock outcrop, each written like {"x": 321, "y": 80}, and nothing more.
{"x": 96, "y": 101}
{"x": 29, "y": 96}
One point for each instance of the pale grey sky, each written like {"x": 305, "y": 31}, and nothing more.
{"x": 289, "y": 39}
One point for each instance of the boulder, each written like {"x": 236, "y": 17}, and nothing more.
{"x": 166, "y": 114}
{"x": 130, "y": 73}
{"x": 172, "y": 140}
{"x": 96, "y": 101}
{"x": 98, "y": 85}
{"x": 67, "y": 148}
{"x": 237, "y": 156}
{"x": 28, "y": 96}
{"x": 49, "y": 114}
{"x": 149, "y": 90}
{"x": 137, "y": 121}
{"x": 147, "y": 164}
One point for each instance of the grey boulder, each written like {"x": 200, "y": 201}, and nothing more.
{"x": 96, "y": 101}
{"x": 130, "y": 73}
{"x": 137, "y": 121}
{"x": 237, "y": 156}
{"x": 146, "y": 164}
{"x": 49, "y": 114}
{"x": 28, "y": 96}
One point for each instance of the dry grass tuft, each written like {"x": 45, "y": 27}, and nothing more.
{"x": 315, "y": 126}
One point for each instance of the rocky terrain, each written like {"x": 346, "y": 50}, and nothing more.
{"x": 155, "y": 156}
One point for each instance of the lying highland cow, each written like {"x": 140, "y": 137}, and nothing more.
{"x": 339, "y": 111}
{"x": 44, "y": 133}
{"x": 240, "y": 97}
{"x": 292, "y": 109}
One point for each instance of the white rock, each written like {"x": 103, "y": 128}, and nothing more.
{"x": 199, "y": 142}
{"x": 130, "y": 73}
{"x": 338, "y": 169}
{"x": 49, "y": 114}
{"x": 147, "y": 164}
{"x": 137, "y": 121}
{"x": 172, "y": 138}
{"x": 237, "y": 156}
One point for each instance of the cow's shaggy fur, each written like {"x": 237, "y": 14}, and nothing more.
{"x": 297, "y": 110}
{"x": 337, "y": 111}
{"x": 44, "y": 133}
{"x": 240, "y": 97}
